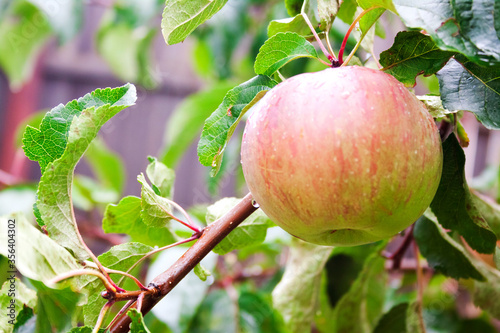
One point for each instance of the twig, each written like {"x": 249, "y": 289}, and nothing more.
{"x": 211, "y": 235}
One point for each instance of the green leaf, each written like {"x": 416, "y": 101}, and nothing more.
{"x": 121, "y": 258}
{"x": 161, "y": 177}
{"x": 14, "y": 296}
{"x": 467, "y": 86}
{"x": 488, "y": 209}
{"x": 38, "y": 257}
{"x": 279, "y": 50}
{"x": 393, "y": 321}
{"x": 452, "y": 203}
{"x": 257, "y": 315}
{"x": 296, "y": 294}
{"x": 187, "y": 121}
{"x": 106, "y": 165}
{"x": 219, "y": 127}
{"x": 327, "y": 10}
{"x": 251, "y": 231}
{"x": 22, "y": 36}
{"x": 132, "y": 62}
{"x": 486, "y": 293}
{"x": 467, "y": 27}
{"x": 65, "y": 17}
{"x": 442, "y": 252}
{"x": 64, "y": 135}
{"x": 347, "y": 10}
{"x": 412, "y": 54}
{"x": 386, "y": 4}
{"x": 137, "y": 325}
{"x": 56, "y": 308}
{"x": 293, "y": 7}
{"x": 359, "y": 309}
{"x": 295, "y": 24}
{"x": 125, "y": 218}
{"x": 435, "y": 106}
{"x": 201, "y": 272}
{"x": 180, "y": 18}
{"x": 216, "y": 314}
{"x": 156, "y": 210}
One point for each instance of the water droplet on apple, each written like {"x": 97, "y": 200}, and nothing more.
{"x": 255, "y": 204}
{"x": 345, "y": 94}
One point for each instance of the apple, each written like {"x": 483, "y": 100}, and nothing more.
{"x": 344, "y": 156}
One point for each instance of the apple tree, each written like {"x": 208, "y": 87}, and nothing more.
{"x": 356, "y": 216}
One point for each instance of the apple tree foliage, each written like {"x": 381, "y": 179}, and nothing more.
{"x": 257, "y": 279}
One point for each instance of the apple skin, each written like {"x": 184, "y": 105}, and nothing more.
{"x": 344, "y": 157}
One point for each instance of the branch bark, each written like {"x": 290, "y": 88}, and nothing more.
{"x": 212, "y": 234}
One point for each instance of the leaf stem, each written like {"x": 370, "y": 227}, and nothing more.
{"x": 102, "y": 313}
{"x": 189, "y": 223}
{"x": 329, "y": 56}
{"x": 83, "y": 271}
{"x": 348, "y": 33}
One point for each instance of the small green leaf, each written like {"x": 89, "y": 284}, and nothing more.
{"x": 486, "y": 293}
{"x": 279, "y": 50}
{"x": 14, "y": 296}
{"x": 435, "y": 106}
{"x": 386, "y": 4}
{"x": 452, "y": 203}
{"x": 137, "y": 325}
{"x": 358, "y": 310}
{"x": 467, "y": 86}
{"x": 38, "y": 256}
{"x": 181, "y": 18}
{"x": 64, "y": 135}
{"x": 161, "y": 176}
{"x": 201, "y": 272}
{"x": 297, "y": 304}
{"x": 125, "y": 218}
{"x": 347, "y": 10}
{"x": 187, "y": 121}
{"x": 156, "y": 210}
{"x": 295, "y": 24}
{"x": 458, "y": 26}
{"x": 412, "y": 54}
{"x": 219, "y": 127}
{"x": 488, "y": 209}
{"x": 293, "y": 7}
{"x": 252, "y": 231}
{"x": 327, "y": 11}
{"x": 442, "y": 252}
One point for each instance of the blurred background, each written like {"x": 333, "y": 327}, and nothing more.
{"x": 54, "y": 51}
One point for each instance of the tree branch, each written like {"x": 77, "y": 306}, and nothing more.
{"x": 212, "y": 234}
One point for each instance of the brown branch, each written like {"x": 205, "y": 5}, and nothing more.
{"x": 212, "y": 234}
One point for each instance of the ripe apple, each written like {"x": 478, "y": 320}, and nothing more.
{"x": 345, "y": 156}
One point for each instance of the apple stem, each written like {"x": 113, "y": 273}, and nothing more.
{"x": 329, "y": 56}
{"x": 348, "y": 33}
